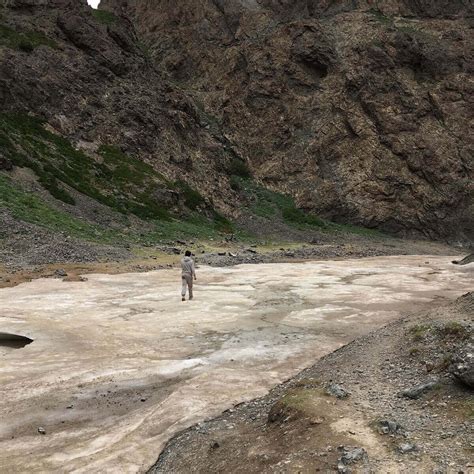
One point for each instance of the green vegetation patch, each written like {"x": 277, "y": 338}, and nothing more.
{"x": 192, "y": 198}
{"x": 301, "y": 399}
{"x": 30, "y": 208}
{"x": 353, "y": 229}
{"x": 113, "y": 178}
{"x": 419, "y": 331}
{"x": 119, "y": 181}
{"x": 196, "y": 227}
{"x": 222, "y": 224}
{"x": 273, "y": 205}
{"x": 239, "y": 168}
{"x": 270, "y": 204}
{"x": 132, "y": 182}
{"x": 104, "y": 17}
{"x": 25, "y": 41}
{"x": 379, "y": 16}
{"x": 454, "y": 330}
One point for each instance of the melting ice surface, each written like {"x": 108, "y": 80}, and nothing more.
{"x": 119, "y": 364}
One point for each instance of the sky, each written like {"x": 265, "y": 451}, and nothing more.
{"x": 93, "y": 3}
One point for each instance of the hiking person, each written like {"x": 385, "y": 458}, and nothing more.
{"x": 187, "y": 275}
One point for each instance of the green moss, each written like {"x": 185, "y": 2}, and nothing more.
{"x": 104, "y": 17}
{"x": 25, "y": 41}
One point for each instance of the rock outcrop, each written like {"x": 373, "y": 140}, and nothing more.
{"x": 361, "y": 111}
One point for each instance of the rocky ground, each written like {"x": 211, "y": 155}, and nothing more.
{"x": 28, "y": 251}
{"x": 399, "y": 400}
{"x": 358, "y": 247}
{"x": 23, "y": 244}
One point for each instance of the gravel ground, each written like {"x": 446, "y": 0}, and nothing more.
{"x": 28, "y": 251}
{"x": 324, "y": 251}
{"x": 23, "y": 244}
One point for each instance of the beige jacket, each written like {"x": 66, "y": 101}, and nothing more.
{"x": 187, "y": 265}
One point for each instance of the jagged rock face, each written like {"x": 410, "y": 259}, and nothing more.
{"x": 359, "y": 109}
{"x": 97, "y": 85}
{"x": 362, "y": 116}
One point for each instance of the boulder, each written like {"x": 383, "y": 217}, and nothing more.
{"x": 336, "y": 390}
{"x": 405, "y": 448}
{"x": 419, "y": 390}
{"x": 350, "y": 456}
{"x": 463, "y": 370}
{"x": 389, "y": 427}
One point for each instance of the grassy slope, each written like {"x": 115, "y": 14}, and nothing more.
{"x": 128, "y": 187}
{"x": 123, "y": 183}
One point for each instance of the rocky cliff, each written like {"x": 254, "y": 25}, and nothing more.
{"x": 360, "y": 110}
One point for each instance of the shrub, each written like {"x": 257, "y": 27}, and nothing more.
{"x": 297, "y": 216}
{"x": 239, "y": 167}
{"x": 455, "y": 330}
{"x": 222, "y": 224}
{"x": 192, "y": 198}
{"x": 104, "y": 17}
{"x": 26, "y": 46}
{"x": 235, "y": 183}
{"x": 418, "y": 331}
{"x": 51, "y": 184}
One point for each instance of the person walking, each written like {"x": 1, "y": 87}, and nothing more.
{"x": 187, "y": 275}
